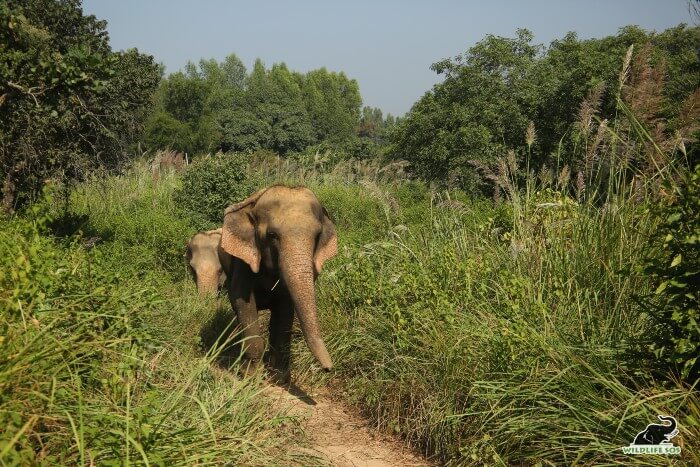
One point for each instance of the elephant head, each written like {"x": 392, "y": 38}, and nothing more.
{"x": 207, "y": 261}
{"x": 284, "y": 233}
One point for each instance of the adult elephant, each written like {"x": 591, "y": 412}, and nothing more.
{"x": 280, "y": 237}
{"x": 207, "y": 261}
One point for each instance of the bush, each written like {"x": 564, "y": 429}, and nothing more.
{"x": 675, "y": 269}
{"x": 212, "y": 183}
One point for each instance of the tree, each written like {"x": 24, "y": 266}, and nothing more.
{"x": 216, "y": 106}
{"x": 165, "y": 131}
{"x": 483, "y": 106}
{"x": 243, "y": 130}
{"x": 491, "y": 94}
{"x": 225, "y": 82}
{"x": 135, "y": 77}
{"x": 234, "y": 72}
{"x": 271, "y": 114}
{"x": 374, "y": 126}
{"x": 371, "y": 123}
{"x": 333, "y": 104}
{"x": 68, "y": 104}
{"x": 184, "y": 97}
{"x": 283, "y": 108}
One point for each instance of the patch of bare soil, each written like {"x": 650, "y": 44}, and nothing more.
{"x": 339, "y": 435}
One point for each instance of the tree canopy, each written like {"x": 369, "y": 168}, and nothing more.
{"x": 219, "y": 106}
{"x": 68, "y": 103}
{"x": 492, "y": 93}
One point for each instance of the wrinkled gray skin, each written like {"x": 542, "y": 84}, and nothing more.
{"x": 207, "y": 261}
{"x": 279, "y": 238}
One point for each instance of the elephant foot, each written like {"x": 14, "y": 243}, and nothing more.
{"x": 280, "y": 377}
{"x": 278, "y": 367}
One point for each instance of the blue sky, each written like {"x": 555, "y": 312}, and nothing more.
{"x": 387, "y": 46}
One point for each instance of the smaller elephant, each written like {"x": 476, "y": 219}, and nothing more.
{"x": 655, "y": 433}
{"x": 207, "y": 261}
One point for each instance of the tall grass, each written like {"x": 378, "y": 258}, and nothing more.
{"x": 95, "y": 364}
{"x": 513, "y": 334}
{"x": 135, "y": 216}
{"x": 504, "y": 347}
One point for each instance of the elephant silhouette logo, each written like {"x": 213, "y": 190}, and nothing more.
{"x": 655, "y": 433}
{"x": 656, "y": 438}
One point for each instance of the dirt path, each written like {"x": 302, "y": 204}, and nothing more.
{"x": 340, "y": 436}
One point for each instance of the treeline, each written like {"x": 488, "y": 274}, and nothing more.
{"x": 510, "y": 93}
{"x": 69, "y": 105}
{"x": 221, "y": 107}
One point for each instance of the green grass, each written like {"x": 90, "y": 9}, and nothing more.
{"x": 506, "y": 334}
{"x": 101, "y": 355}
{"x": 135, "y": 217}
{"x": 523, "y": 345}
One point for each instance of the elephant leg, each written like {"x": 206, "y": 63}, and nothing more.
{"x": 281, "y": 320}
{"x": 253, "y": 345}
{"x": 242, "y": 296}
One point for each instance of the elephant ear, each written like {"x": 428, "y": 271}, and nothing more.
{"x": 238, "y": 232}
{"x": 188, "y": 250}
{"x": 327, "y": 242}
{"x": 188, "y": 258}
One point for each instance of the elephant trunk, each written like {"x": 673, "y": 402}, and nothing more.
{"x": 207, "y": 281}
{"x": 297, "y": 272}
{"x": 669, "y": 428}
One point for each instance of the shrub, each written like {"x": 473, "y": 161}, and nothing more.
{"x": 212, "y": 183}
{"x": 674, "y": 267}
